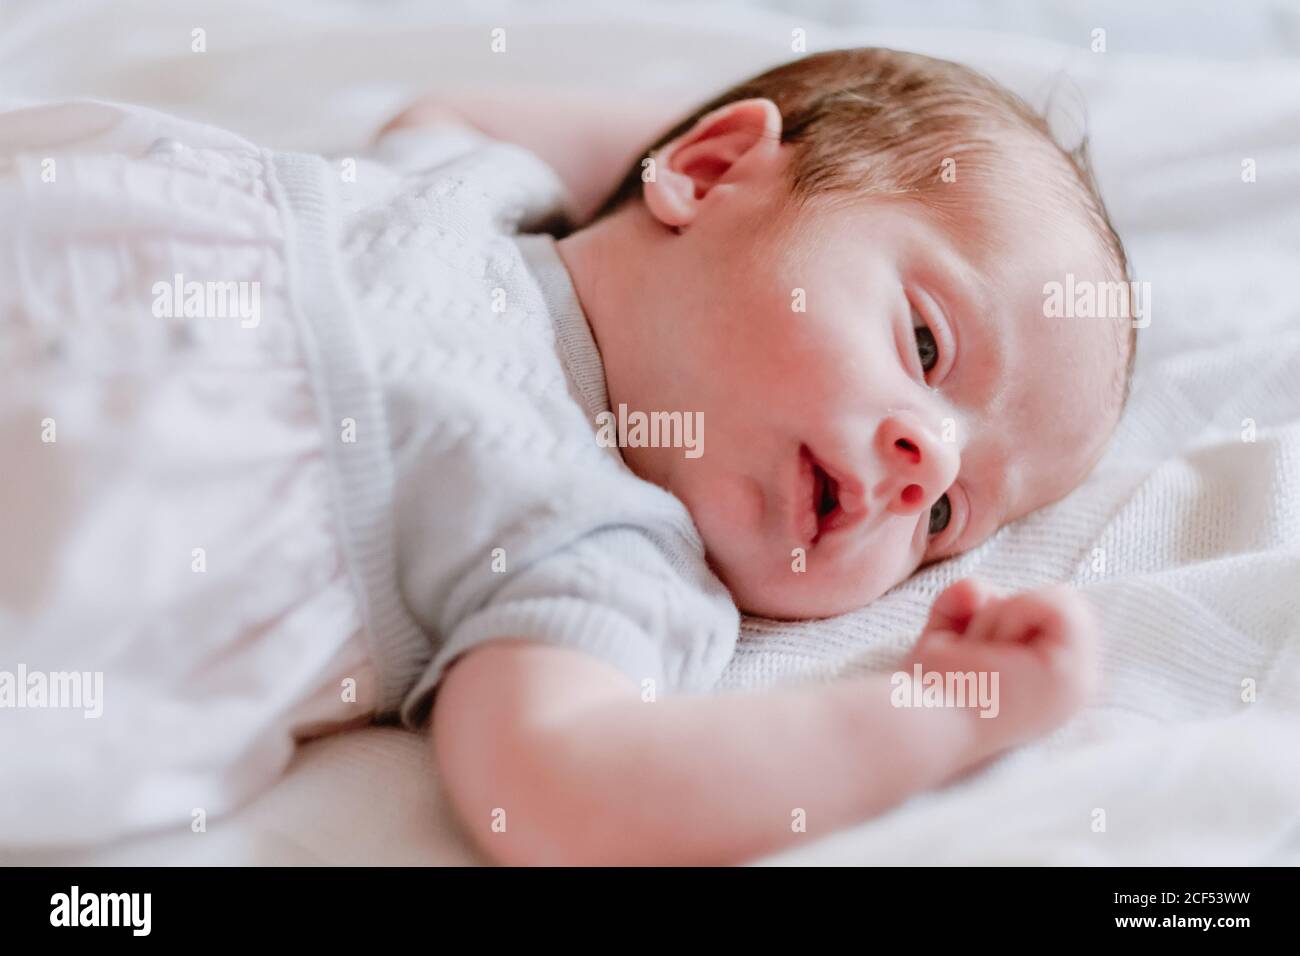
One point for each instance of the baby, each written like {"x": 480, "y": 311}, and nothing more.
{"x": 516, "y": 489}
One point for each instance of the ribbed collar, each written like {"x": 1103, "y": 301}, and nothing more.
{"x": 573, "y": 335}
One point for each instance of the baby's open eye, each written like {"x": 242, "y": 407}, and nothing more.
{"x": 940, "y": 514}
{"x": 926, "y": 347}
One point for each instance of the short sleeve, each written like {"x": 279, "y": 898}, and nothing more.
{"x": 412, "y": 149}
{"x": 635, "y": 600}
{"x": 514, "y": 187}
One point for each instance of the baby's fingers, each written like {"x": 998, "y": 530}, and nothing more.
{"x": 955, "y": 608}
{"x": 1052, "y": 615}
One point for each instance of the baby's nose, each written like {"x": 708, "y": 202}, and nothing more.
{"x": 919, "y": 467}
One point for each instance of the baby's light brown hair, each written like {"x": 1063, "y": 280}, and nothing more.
{"x": 875, "y": 122}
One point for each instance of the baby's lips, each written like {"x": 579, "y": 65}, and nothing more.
{"x": 808, "y": 526}
{"x": 850, "y": 489}
{"x": 852, "y": 497}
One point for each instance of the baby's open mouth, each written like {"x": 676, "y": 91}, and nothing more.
{"x": 824, "y": 498}
{"x": 825, "y": 495}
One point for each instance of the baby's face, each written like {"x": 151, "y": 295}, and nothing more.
{"x": 842, "y": 448}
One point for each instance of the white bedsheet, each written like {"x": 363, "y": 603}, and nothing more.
{"x": 1197, "y": 579}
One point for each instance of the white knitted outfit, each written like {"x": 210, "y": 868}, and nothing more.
{"x": 256, "y": 528}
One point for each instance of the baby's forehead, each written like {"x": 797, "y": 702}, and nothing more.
{"x": 1033, "y": 301}
{"x": 1056, "y": 304}
{"x": 1049, "y": 366}
{"x": 1048, "y": 316}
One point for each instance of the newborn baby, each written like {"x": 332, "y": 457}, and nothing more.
{"x": 335, "y": 441}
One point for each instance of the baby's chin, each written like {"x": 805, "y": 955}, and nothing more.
{"x": 767, "y": 574}
{"x": 787, "y": 594}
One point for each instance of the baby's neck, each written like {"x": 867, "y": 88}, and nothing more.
{"x": 612, "y": 266}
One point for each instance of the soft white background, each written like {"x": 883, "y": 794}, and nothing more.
{"x": 1201, "y": 531}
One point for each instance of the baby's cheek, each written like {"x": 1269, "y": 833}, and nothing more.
{"x": 969, "y": 542}
{"x": 732, "y": 519}
{"x": 886, "y": 560}
{"x": 722, "y": 506}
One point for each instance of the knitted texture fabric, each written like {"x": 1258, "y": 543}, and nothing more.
{"x": 510, "y": 519}
{"x": 283, "y": 425}
{"x": 1186, "y": 543}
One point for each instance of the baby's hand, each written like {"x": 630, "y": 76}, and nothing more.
{"x": 425, "y": 112}
{"x": 1041, "y": 644}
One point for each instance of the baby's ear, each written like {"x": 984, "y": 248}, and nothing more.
{"x": 735, "y": 139}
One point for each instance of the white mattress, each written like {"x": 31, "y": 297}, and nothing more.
{"x": 1199, "y": 530}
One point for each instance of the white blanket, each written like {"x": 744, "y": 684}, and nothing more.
{"x": 1187, "y": 538}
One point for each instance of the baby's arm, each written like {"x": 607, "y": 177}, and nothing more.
{"x": 558, "y": 750}
{"x": 588, "y": 139}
